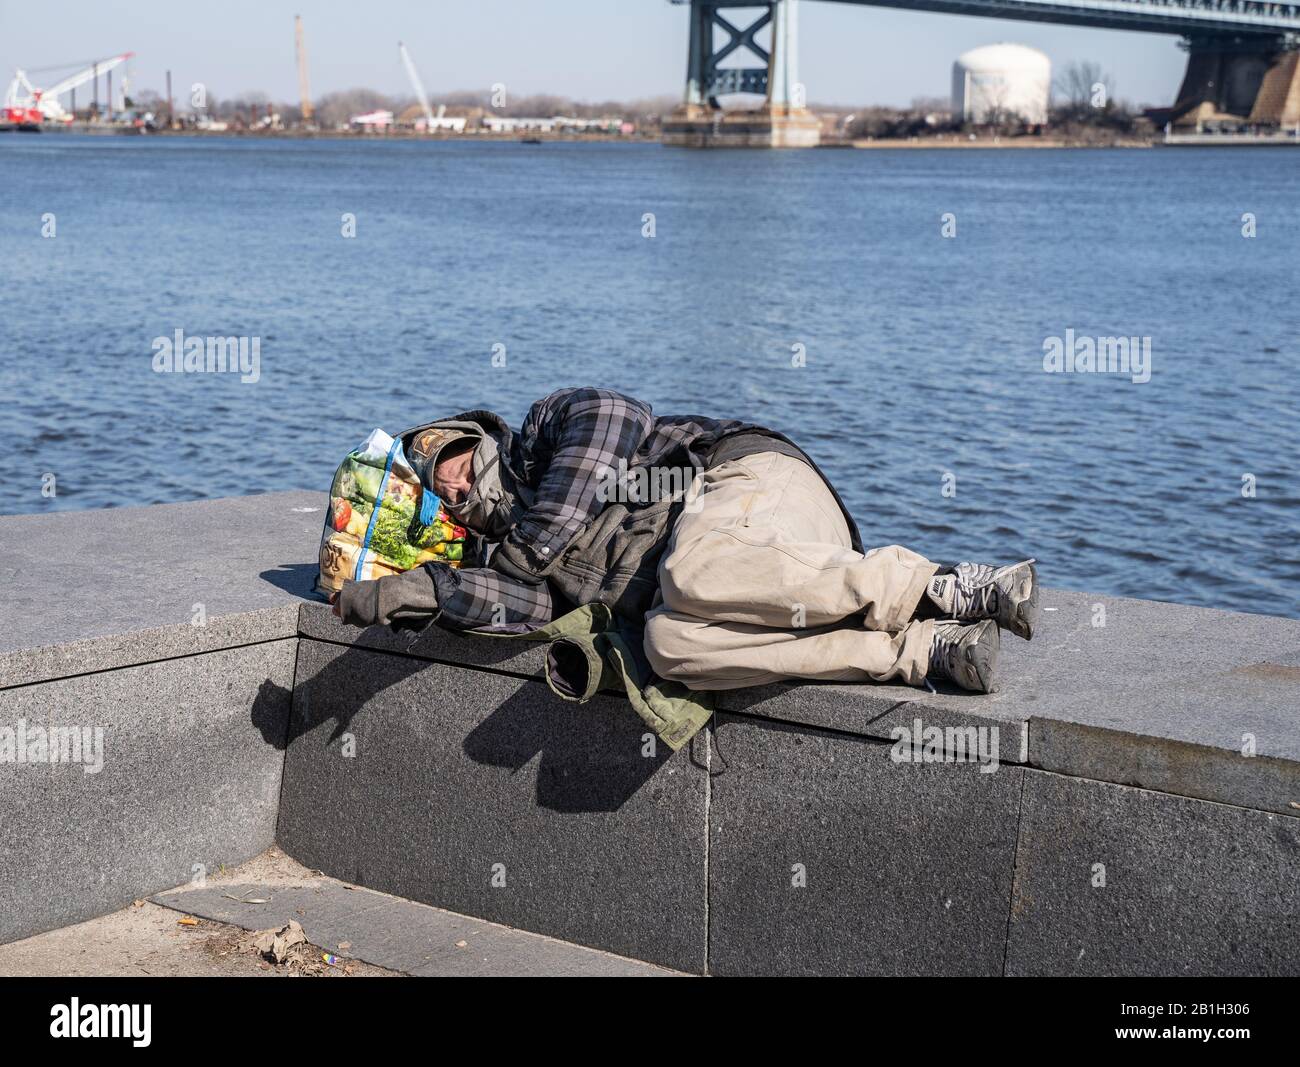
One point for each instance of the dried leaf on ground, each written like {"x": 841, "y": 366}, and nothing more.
{"x": 275, "y": 944}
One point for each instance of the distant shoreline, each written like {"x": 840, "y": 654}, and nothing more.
{"x": 587, "y": 138}
{"x": 944, "y": 142}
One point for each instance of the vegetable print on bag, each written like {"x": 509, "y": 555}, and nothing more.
{"x": 408, "y": 528}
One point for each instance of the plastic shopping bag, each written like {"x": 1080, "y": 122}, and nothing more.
{"x": 381, "y": 520}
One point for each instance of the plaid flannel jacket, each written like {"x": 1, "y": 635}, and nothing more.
{"x": 569, "y": 442}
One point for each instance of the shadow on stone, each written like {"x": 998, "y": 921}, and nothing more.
{"x": 296, "y": 578}
{"x": 591, "y": 754}
{"x": 268, "y": 713}
{"x": 347, "y": 682}
{"x": 584, "y": 768}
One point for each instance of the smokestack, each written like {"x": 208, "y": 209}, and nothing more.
{"x": 304, "y": 82}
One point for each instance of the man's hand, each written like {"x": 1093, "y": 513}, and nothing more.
{"x": 357, "y": 603}
{"x": 393, "y": 598}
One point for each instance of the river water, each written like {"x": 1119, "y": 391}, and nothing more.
{"x": 815, "y": 292}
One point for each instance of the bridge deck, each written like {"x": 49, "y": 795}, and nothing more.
{"x": 1182, "y": 17}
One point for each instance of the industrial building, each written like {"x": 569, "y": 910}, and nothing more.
{"x": 1002, "y": 82}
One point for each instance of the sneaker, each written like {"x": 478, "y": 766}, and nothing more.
{"x": 1007, "y": 595}
{"x": 965, "y": 653}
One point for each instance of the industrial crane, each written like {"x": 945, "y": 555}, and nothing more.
{"x": 418, "y": 86}
{"x": 26, "y": 107}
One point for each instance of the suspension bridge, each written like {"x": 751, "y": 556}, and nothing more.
{"x": 1243, "y": 60}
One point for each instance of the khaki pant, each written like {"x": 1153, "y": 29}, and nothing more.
{"x": 759, "y": 584}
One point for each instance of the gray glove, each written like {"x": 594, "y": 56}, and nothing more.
{"x": 393, "y": 599}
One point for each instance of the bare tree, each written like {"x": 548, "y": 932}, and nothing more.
{"x": 1086, "y": 88}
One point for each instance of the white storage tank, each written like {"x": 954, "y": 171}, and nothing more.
{"x": 999, "y": 81}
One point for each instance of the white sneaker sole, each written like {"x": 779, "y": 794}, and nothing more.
{"x": 1023, "y": 596}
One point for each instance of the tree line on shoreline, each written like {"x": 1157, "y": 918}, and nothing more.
{"x": 1083, "y": 108}
{"x": 1079, "y": 110}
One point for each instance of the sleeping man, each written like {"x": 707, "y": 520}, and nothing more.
{"x": 721, "y": 540}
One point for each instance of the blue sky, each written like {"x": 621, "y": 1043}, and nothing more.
{"x": 589, "y": 49}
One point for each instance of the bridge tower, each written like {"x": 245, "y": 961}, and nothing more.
{"x": 1253, "y": 79}
{"x": 783, "y": 120}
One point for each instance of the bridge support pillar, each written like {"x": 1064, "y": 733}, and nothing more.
{"x": 783, "y": 120}
{"x": 1278, "y": 100}
{"x": 1234, "y": 80}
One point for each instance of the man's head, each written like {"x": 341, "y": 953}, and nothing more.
{"x": 443, "y": 458}
{"x": 458, "y": 461}
{"x": 453, "y": 471}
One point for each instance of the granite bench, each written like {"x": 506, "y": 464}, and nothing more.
{"x": 1128, "y": 801}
